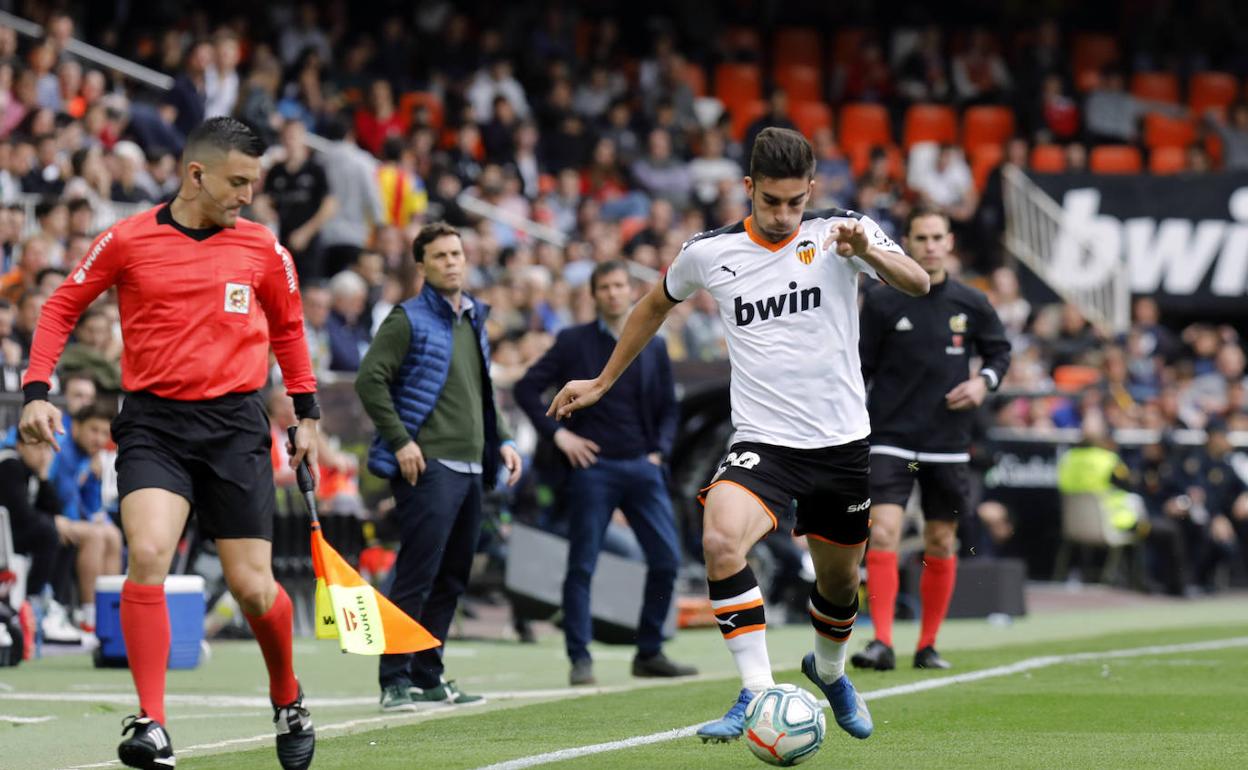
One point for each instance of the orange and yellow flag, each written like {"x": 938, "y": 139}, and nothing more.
{"x": 348, "y": 608}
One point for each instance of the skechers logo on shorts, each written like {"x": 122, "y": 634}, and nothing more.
{"x": 745, "y": 312}
{"x": 860, "y": 507}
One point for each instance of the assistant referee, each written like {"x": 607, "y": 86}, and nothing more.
{"x": 916, "y": 355}
{"x": 203, "y": 293}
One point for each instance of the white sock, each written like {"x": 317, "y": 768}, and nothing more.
{"x": 88, "y": 614}
{"x": 829, "y": 658}
{"x": 738, "y": 606}
{"x": 749, "y": 651}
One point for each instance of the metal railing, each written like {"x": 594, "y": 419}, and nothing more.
{"x": 89, "y": 52}
{"x": 1033, "y": 227}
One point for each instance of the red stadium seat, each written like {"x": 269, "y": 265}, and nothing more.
{"x": 801, "y": 82}
{"x": 1115, "y": 159}
{"x": 810, "y": 117}
{"x": 1164, "y": 131}
{"x": 930, "y": 123}
{"x": 413, "y": 99}
{"x": 745, "y": 114}
{"x": 1208, "y": 90}
{"x": 986, "y": 125}
{"x": 1167, "y": 160}
{"x": 695, "y": 76}
{"x": 738, "y": 85}
{"x": 866, "y": 125}
{"x": 1156, "y": 86}
{"x": 984, "y": 158}
{"x": 796, "y": 45}
{"x": 1092, "y": 51}
{"x": 1048, "y": 159}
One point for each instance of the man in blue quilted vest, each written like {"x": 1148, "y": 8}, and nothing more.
{"x": 425, "y": 382}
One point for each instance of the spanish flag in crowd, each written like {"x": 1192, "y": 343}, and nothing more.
{"x": 351, "y": 610}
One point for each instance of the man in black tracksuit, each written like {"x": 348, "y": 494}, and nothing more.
{"x": 916, "y": 354}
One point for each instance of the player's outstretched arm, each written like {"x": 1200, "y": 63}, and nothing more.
{"x": 643, "y": 323}
{"x": 894, "y": 267}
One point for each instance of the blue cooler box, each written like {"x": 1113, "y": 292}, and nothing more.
{"x": 185, "y": 596}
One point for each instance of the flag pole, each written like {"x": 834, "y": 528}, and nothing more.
{"x": 304, "y": 477}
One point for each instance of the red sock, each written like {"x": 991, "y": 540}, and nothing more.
{"x": 882, "y": 592}
{"x": 145, "y": 629}
{"x": 935, "y": 591}
{"x": 273, "y": 631}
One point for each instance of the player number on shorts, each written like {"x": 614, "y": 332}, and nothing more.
{"x": 745, "y": 460}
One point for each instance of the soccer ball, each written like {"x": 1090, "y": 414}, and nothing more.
{"x": 784, "y": 725}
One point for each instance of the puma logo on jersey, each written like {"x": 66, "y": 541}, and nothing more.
{"x": 728, "y": 270}
{"x": 746, "y": 312}
{"x": 904, "y": 325}
{"x": 859, "y": 507}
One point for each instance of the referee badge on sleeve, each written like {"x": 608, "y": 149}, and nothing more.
{"x": 237, "y": 298}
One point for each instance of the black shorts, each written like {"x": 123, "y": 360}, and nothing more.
{"x": 944, "y": 487}
{"x": 830, "y": 486}
{"x": 214, "y": 453}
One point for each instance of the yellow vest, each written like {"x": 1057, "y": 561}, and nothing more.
{"x": 1090, "y": 469}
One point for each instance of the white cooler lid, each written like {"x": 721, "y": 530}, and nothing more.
{"x": 174, "y": 584}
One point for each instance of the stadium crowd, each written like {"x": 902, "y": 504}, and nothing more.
{"x": 607, "y": 133}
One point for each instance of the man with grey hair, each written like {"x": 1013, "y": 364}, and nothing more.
{"x": 347, "y": 327}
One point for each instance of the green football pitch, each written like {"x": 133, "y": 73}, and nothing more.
{"x": 1162, "y": 684}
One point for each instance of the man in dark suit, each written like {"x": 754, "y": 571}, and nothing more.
{"x": 616, "y": 451}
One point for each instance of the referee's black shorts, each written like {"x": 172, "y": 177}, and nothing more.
{"x": 215, "y": 453}
{"x": 944, "y": 487}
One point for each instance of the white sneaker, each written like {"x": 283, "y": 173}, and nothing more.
{"x": 56, "y": 627}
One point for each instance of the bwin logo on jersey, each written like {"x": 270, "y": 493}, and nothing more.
{"x": 773, "y": 307}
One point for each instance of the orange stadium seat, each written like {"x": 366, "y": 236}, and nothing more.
{"x": 1115, "y": 159}
{"x": 1206, "y": 90}
{"x": 860, "y": 158}
{"x": 796, "y": 45}
{"x": 1072, "y": 378}
{"x": 1164, "y": 131}
{"x": 930, "y": 123}
{"x": 1156, "y": 86}
{"x": 695, "y": 76}
{"x": 984, "y": 158}
{"x": 744, "y": 114}
{"x": 1048, "y": 159}
{"x": 1167, "y": 160}
{"x": 801, "y": 82}
{"x": 864, "y": 124}
{"x": 810, "y": 116}
{"x": 413, "y": 99}
{"x": 737, "y": 85}
{"x": 1092, "y": 51}
{"x": 986, "y": 124}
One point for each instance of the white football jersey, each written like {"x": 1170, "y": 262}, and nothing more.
{"x": 790, "y": 310}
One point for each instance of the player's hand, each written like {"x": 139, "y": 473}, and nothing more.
{"x": 580, "y": 451}
{"x": 305, "y": 447}
{"x": 967, "y": 395}
{"x": 411, "y": 462}
{"x": 40, "y": 423}
{"x": 512, "y": 462}
{"x": 577, "y": 394}
{"x": 850, "y": 239}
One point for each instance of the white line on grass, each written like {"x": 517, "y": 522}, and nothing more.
{"x": 24, "y": 720}
{"x": 888, "y": 692}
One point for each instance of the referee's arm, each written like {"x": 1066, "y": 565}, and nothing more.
{"x": 871, "y": 333}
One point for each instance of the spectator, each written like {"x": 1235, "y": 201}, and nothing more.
{"x": 300, "y": 194}
{"x": 704, "y": 331}
{"x": 616, "y": 452}
{"x": 95, "y": 350}
{"x": 923, "y": 74}
{"x": 943, "y": 180}
{"x": 660, "y": 174}
{"x": 777, "y": 115}
{"x": 403, "y": 195}
{"x": 380, "y": 120}
{"x": 1234, "y": 136}
{"x": 259, "y": 105}
{"x": 979, "y": 72}
{"x": 1111, "y": 114}
{"x": 352, "y": 182}
{"x": 189, "y": 94}
{"x": 304, "y": 34}
{"x": 497, "y": 136}
{"x": 712, "y": 173}
{"x": 834, "y": 180}
{"x": 36, "y": 255}
{"x": 347, "y": 326}
{"x": 221, "y": 76}
{"x": 495, "y": 79}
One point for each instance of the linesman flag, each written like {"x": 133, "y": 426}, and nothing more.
{"x": 348, "y": 608}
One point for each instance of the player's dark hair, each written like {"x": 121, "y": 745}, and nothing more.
{"x": 604, "y": 269}
{"x": 96, "y": 410}
{"x": 781, "y": 153}
{"x": 427, "y": 235}
{"x": 220, "y": 135}
{"x": 918, "y": 212}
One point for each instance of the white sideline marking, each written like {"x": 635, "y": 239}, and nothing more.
{"x": 24, "y": 720}
{"x": 888, "y": 692}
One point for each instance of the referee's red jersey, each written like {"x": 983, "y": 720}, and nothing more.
{"x": 199, "y": 308}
